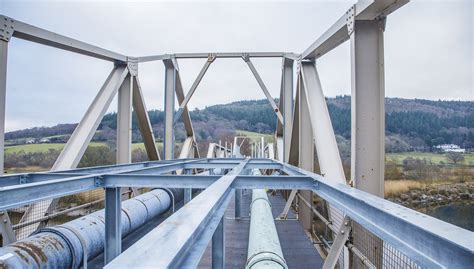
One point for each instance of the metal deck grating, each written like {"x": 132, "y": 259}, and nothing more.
{"x": 297, "y": 248}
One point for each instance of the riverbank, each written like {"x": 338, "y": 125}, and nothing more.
{"x": 424, "y": 196}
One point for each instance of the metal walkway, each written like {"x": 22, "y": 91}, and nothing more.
{"x": 297, "y": 248}
{"x": 365, "y": 228}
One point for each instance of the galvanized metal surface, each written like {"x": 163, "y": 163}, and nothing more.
{"x": 63, "y": 246}
{"x": 194, "y": 224}
{"x": 297, "y": 249}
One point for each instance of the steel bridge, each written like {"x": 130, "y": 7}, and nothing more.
{"x": 190, "y": 194}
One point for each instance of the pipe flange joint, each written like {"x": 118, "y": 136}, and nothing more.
{"x": 260, "y": 198}
{"x": 265, "y": 256}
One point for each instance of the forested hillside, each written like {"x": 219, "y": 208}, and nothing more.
{"x": 410, "y": 124}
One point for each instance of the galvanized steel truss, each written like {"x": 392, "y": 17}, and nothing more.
{"x": 418, "y": 236}
{"x": 302, "y": 126}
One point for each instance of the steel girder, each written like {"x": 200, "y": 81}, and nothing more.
{"x": 35, "y": 34}
{"x": 3, "y": 92}
{"x": 79, "y": 140}
{"x": 368, "y": 106}
{"x": 143, "y": 120}
{"x": 270, "y": 99}
{"x": 341, "y": 30}
{"x": 429, "y": 242}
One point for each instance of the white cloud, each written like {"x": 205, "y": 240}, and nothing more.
{"x": 428, "y": 48}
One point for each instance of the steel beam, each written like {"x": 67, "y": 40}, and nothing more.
{"x": 287, "y": 108}
{"x": 79, "y": 140}
{"x": 367, "y": 106}
{"x": 3, "y": 92}
{"x": 338, "y": 245}
{"x": 323, "y": 133}
{"x": 218, "y": 246}
{"x": 143, "y": 120}
{"x": 181, "y": 239}
{"x": 82, "y": 135}
{"x": 24, "y": 194}
{"x": 188, "y": 126}
{"x": 113, "y": 231}
{"x": 218, "y": 55}
{"x": 184, "y": 103}
{"x": 246, "y": 58}
{"x": 124, "y": 121}
{"x": 170, "y": 89}
{"x": 35, "y": 34}
{"x": 340, "y": 31}
{"x": 293, "y": 154}
{"x": 306, "y": 156}
{"x": 6, "y": 229}
{"x": 429, "y": 242}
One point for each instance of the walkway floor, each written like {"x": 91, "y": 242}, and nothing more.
{"x": 297, "y": 248}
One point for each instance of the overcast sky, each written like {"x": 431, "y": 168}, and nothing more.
{"x": 428, "y": 51}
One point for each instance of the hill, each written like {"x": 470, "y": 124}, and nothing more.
{"x": 410, "y": 123}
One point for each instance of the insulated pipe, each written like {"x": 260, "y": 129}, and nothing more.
{"x": 62, "y": 246}
{"x": 264, "y": 245}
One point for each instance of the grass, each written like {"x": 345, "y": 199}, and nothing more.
{"x": 142, "y": 146}
{"x": 394, "y": 187}
{"x": 28, "y": 148}
{"x": 435, "y": 158}
{"x": 255, "y": 136}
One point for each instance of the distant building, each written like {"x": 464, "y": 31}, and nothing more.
{"x": 31, "y": 141}
{"x": 45, "y": 140}
{"x": 449, "y": 148}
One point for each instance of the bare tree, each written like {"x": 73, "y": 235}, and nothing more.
{"x": 455, "y": 157}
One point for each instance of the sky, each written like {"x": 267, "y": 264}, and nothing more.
{"x": 428, "y": 51}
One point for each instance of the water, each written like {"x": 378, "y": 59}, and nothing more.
{"x": 459, "y": 214}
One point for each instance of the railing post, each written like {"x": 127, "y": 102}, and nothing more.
{"x": 188, "y": 192}
{"x": 113, "y": 232}
{"x": 218, "y": 247}
{"x": 170, "y": 85}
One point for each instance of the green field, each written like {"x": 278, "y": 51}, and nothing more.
{"x": 28, "y": 148}
{"x": 159, "y": 145}
{"x": 435, "y": 158}
{"x": 255, "y": 136}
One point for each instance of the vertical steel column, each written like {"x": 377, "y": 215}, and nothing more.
{"x": 170, "y": 84}
{"x": 124, "y": 121}
{"x": 368, "y": 121}
{"x": 287, "y": 109}
{"x": 238, "y": 203}
{"x": 3, "y": 92}
{"x": 368, "y": 111}
{"x": 306, "y": 157}
{"x": 218, "y": 247}
{"x": 113, "y": 233}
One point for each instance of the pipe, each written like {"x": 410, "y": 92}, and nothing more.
{"x": 62, "y": 246}
{"x": 264, "y": 249}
